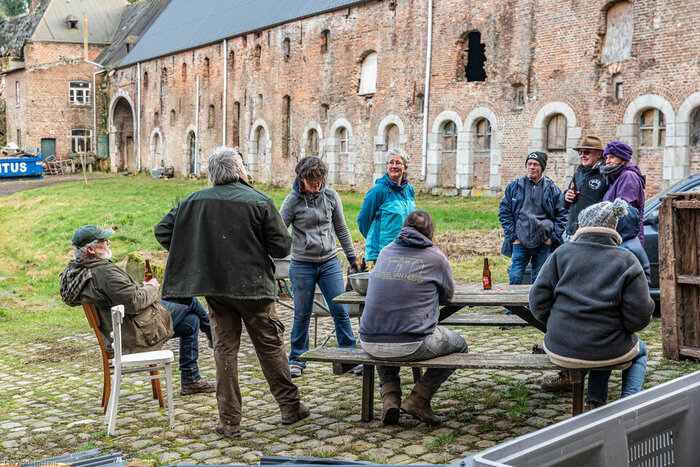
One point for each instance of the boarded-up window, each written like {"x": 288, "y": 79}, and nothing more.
{"x": 210, "y": 117}
{"x": 556, "y": 133}
{"x": 617, "y": 44}
{"x": 695, "y": 129}
{"x": 483, "y": 135}
{"x": 368, "y": 78}
{"x": 449, "y": 137}
{"x": 342, "y": 136}
{"x": 652, "y": 129}
{"x": 286, "y": 49}
{"x": 325, "y": 38}
{"x": 392, "y": 137}
{"x": 312, "y": 143}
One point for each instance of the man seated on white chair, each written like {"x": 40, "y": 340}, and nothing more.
{"x": 148, "y": 321}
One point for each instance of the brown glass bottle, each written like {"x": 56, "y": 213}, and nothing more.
{"x": 149, "y": 272}
{"x": 486, "y": 276}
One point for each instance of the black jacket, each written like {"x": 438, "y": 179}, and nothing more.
{"x": 220, "y": 241}
{"x": 592, "y": 186}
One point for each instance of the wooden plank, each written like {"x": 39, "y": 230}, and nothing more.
{"x": 686, "y": 204}
{"x": 367, "y": 393}
{"x": 667, "y": 281}
{"x": 483, "y": 319}
{"x": 693, "y": 352}
{"x": 688, "y": 279}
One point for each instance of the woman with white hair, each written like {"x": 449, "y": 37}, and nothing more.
{"x": 386, "y": 205}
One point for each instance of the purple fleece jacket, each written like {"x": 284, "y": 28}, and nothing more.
{"x": 410, "y": 279}
{"x": 629, "y": 184}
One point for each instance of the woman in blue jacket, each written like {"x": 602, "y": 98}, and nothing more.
{"x": 386, "y": 205}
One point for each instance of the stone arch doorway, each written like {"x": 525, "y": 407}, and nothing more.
{"x": 155, "y": 150}
{"x": 259, "y": 151}
{"x": 191, "y": 153}
{"x": 122, "y": 148}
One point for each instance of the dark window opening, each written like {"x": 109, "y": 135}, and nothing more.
{"x": 206, "y": 67}
{"x": 156, "y": 118}
{"x": 519, "y": 96}
{"x": 476, "y": 57}
{"x": 325, "y": 38}
{"x": 420, "y": 103}
{"x": 244, "y": 40}
{"x": 173, "y": 117}
{"x": 184, "y": 72}
{"x": 324, "y": 112}
{"x": 286, "y": 114}
{"x": 210, "y": 117}
{"x": 286, "y": 49}
{"x": 145, "y": 80}
{"x": 260, "y": 101}
{"x": 231, "y": 60}
{"x": 258, "y": 54}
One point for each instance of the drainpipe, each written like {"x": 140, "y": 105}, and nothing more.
{"x": 196, "y": 129}
{"x": 223, "y": 119}
{"x": 426, "y": 95}
{"x": 94, "y": 103}
{"x": 138, "y": 115}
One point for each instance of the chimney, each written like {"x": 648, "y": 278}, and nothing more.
{"x": 85, "y": 39}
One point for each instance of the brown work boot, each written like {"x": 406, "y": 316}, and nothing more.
{"x": 560, "y": 383}
{"x": 228, "y": 431}
{"x": 301, "y": 413}
{"x": 391, "y": 404}
{"x": 419, "y": 407}
{"x": 197, "y": 387}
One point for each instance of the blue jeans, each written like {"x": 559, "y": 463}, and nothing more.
{"x": 632, "y": 378}
{"x": 187, "y": 321}
{"x": 329, "y": 277}
{"x": 522, "y": 256}
{"x": 441, "y": 342}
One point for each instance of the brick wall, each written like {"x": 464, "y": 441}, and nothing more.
{"x": 553, "y": 51}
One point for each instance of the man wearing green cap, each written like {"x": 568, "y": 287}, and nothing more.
{"x": 148, "y": 322}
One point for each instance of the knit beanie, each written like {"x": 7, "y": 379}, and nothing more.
{"x": 603, "y": 214}
{"x": 540, "y": 157}
{"x": 619, "y": 149}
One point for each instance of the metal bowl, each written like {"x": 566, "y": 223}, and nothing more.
{"x": 359, "y": 282}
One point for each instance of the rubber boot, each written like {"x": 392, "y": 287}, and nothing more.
{"x": 391, "y": 403}
{"x": 419, "y": 407}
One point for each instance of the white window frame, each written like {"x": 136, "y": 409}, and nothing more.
{"x": 78, "y": 136}
{"x": 79, "y": 93}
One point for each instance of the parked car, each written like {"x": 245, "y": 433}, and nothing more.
{"x": 651, "y": 227}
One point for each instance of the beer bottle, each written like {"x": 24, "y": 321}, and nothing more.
{"x": 486, "y": 278}
{"x": 149, "y": 271}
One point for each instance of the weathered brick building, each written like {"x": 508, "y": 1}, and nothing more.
{"x": 506, "y": 77}
{"x": 48, "y": 74}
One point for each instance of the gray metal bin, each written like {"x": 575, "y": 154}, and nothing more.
{"x": 657, "y": 427}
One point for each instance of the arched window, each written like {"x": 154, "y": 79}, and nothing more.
{"x": 312, "y": 143}
{"x": 184, "y": 72}
{"x": 368, "y": 78}
{"x": 145, "y": 80}
{"x": 695, "y": 129}
{"x": 482, "y": 135}
{"x": 210, "y": 117}
{"x": 342, "y": 137}
{"x": 556, "y": 133}
{"x": 206, "y": 67}
{"x": 652, "y": 129}
{"x": 325, "y": 39}
{"x": 173, "y": 117}
{"x": 449, "y": 137}
{"x": 286, "y": 52}
{"x": 392, "y": 137}
{"x": 619, "y": 28}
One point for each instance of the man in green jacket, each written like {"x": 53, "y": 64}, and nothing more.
{"x": 221, "y": 242}
{"x": 148, "y": 322}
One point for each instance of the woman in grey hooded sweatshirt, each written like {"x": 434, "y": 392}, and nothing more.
{"x": 315, "y": 213}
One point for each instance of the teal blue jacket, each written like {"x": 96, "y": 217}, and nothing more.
{"x": 383, "y": 211}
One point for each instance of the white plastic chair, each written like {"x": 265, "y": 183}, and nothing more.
{"x": 139, "y": 362}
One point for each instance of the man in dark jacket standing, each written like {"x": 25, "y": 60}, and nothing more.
{"x": 148, "y": 322}
{"x": 221, "y": 241}
{"x": 533, "y": 217}
{"x": 588, "y": 185}
{"x": 410, "y": 280}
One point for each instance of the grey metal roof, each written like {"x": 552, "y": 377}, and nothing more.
{"x": 103, "y": 17}
{"x": 187, "y": 24}
{"x": 136, "y": 19}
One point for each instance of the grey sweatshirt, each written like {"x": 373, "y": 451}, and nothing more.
{"x": 593, "y": 296}
{"x": 410, "y": 279}
{"x": 316, "y": 219}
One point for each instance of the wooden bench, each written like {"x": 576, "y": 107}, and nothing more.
{"x": 470, "y": 361}
{"x": 483, "y": 319}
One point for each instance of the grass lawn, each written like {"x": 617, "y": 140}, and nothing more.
{"x": 36, "y": 227}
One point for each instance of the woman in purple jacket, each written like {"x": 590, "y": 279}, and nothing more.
{"x": 625, "y": 178}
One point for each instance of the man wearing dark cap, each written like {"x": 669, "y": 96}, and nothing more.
{"x": 148, "y": 322}
{"x": 533, "y": 217}
{"x": 588, "y": 185}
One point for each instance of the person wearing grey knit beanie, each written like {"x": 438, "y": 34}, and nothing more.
{"x": 593, "y": 296}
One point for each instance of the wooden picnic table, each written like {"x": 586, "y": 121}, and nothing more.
{"x": 514, "y": 298}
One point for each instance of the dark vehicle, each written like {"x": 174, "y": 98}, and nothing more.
{"x": 651, "y": 228}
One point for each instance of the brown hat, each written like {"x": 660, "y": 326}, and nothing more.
{"x": 590, "y": 142}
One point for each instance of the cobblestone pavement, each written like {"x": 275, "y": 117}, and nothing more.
{"x": 50, "y": 393}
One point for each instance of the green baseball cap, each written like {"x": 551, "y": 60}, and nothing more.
{"x": 88, "y": 234}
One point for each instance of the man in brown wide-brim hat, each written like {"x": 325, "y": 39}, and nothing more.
{"x": 587, "y": 187}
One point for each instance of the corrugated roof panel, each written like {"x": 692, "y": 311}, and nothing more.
{"x": 103, "y": 17}
{"x": 186, "y": 24}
